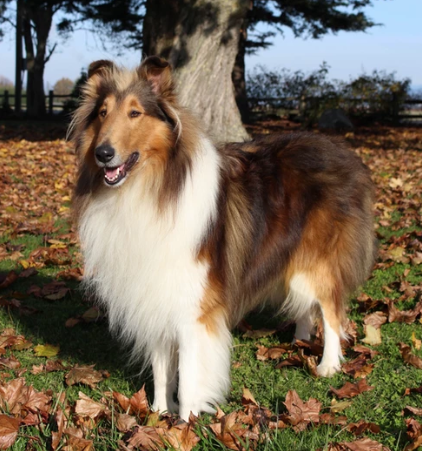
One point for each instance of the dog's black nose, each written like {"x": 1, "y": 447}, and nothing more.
{"x": 104, "y": 153}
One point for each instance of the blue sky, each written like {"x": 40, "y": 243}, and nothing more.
{"x": 395, "y": 46}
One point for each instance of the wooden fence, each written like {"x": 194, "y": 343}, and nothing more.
{"x": 411, "y": 108}
{"x": 7, "y": 100}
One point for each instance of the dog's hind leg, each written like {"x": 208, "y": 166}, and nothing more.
{"x": 204, "y": 367}
{"x": 164, "y": 369}
{"x": 332, "y": 356}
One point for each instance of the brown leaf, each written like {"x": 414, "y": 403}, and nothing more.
{"x": 403, "y": 316}
{"x": 350, "y": 390}
{"x": 87, "y": 407}
{"x": 364, "y": 444}
{"x": 362, "y": 426}
{"x": 408, "y": 357}
{"x": 75, "y": 442}
{"x": 123, "y": 401}
{"x": 272, "y": 353}
{"x": 139, "y": 403}
{"x": 230, "y": 431}
{"x": 61, "y": 421}
{"x": 125, "y": 422}
{"x": 300, "y": 413}
{"x": 376, "y": 319}
{"x": 146, "y": 438}
{"x": 413, "y": 410}
{"x": 367, "y": 352}
{"x": 7, "y": 279}
{"x": 414, "y": 432}
{"x": 84, "y": 375}
{"x": 180, "y": 437}
{"x": 293, "y": 360}
{"x": 248, "y": 398}
{"x": 9, "y": 428}
{"x": 358, "y": 367}
{"x": 11, "y": 363}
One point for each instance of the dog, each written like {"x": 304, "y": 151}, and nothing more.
{"x": 181, "y": 237}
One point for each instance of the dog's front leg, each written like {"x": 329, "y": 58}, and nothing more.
{"x": 204, "y": 367}
{"x": 164, "y": 369}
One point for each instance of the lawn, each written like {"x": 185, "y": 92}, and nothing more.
{"x": 65, "y": 383}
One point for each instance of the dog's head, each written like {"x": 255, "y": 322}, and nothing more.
{"x": 127, "y": 120}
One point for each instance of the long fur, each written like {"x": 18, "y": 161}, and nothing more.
{"x": 197, "y": 235}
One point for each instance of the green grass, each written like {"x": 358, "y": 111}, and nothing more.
{"x": 92, "y": 343}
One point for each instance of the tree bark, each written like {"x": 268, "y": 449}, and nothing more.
{"x": 200, "y": 40}
{"x": 36, "y": 55}
{"x": 238, "y": 74}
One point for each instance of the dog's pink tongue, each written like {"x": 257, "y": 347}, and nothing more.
{"x": 111, "y": 172}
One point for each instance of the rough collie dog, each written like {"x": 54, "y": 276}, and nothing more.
{"x": 182, "y": 238}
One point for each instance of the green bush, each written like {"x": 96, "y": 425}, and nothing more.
{"x": 377, "y": 95}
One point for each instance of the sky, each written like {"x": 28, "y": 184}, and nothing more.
{"x": 396, "y": 46}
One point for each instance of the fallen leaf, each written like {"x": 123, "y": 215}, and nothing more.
{"x": 372, "y": 335}
{"x": 9, "y": 428}
{"x": 46, "y": 350}
{"x": 80, "y": 374}
{"x": 414, "y": 432}
{"x": 362, "y": 426}
{"x": 413, "y": 410}
{"x": 408, "y": 357}
{"x": 87, "y": 407}
{"x": 125, "y": 422}
{"x": 8, "y": 279}
{"x": 376, "y": 319}
{"x": 300, "y": 413}
{"x": 350, "y": 390}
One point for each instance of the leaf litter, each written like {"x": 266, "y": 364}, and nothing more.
{"x": 31, "y": 207}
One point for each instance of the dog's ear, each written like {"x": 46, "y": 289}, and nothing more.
{"x": 157, "y": 72}
{"x": 97, "y": 67}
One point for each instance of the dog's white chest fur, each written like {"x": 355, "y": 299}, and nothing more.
{"x": 142, "y": 263}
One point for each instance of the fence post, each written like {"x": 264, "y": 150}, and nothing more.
{"x": 50, "y": 102}
{"x": 395, "y": 109}
{"x": 6, "y": 100}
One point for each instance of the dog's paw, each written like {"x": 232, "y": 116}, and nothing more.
{"x": 170, "y": 407}
{"x": 328, "y": 369}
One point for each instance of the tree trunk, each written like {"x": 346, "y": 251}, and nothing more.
{"x": 238, "y": 74}
{"x": 40, "y": 18}
{"x": 200, "y": 40}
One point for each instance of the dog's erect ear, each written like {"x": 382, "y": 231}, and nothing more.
{"x": 99, "y": 66}
{"x": 157, "y": 72}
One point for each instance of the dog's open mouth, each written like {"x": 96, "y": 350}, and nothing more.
{"x": 112, "y": 176}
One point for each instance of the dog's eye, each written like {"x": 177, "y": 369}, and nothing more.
{"x": 135, "y": 113}
{"x": 103, "y": 113}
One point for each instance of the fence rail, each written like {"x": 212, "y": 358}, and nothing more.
{"x": 7, "y": 101}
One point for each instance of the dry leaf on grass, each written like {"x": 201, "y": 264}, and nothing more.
{"x": 408, "y": 357}
{"x": 87, "y": 407}
{"x": 85, "y": 375}
{"x": 372, "y": 335}
{"x": 414, "y": 432}
{"x": 358, "y": 367}
{"x": 9, "y": 428}
{"x": 350, "y": 390}
{"x": 301, "y": 414}
{"x": 46, "y": 350}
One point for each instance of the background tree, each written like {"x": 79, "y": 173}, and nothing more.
{"x": 206, "y": 42}
{"x": 63, "y": 87}
{"x": 109, "y": 18}
{"x": 305, "y": 18}
{"x": 200, "y": 38}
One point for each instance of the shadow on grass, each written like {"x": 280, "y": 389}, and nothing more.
{"x": 43, "y": 322}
